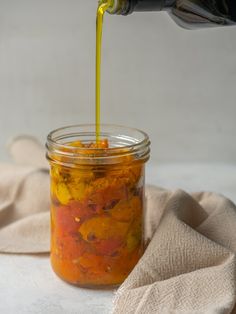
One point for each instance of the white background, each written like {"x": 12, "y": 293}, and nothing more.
{"x": 177, "y": 85}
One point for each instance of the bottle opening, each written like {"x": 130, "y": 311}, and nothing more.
{"x": 119, "y": 7}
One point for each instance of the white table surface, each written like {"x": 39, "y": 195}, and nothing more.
{"x": 27, "y": 284}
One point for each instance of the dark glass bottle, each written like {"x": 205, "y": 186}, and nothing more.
{"x": 187, "y": 13}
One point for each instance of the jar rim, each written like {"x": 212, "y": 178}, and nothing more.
{"x": 133, "y": 142}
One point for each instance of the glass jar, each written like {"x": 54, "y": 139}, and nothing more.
{"x": 97, "y": 203}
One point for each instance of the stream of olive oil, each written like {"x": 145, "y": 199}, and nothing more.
{"x": 102, "y": 7}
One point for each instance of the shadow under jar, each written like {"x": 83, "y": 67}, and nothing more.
{"x": 97, "y": 203}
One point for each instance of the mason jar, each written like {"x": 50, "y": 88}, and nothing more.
{"x": 97, "y": 202}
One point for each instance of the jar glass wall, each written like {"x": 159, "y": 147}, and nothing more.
{"x": 97, "y": 203}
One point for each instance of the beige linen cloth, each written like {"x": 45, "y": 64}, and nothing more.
{"x": 189, "y": 265}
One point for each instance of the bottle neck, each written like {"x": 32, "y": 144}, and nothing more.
{"x": 125, "y": 7}
{"x": 120, "y": 7}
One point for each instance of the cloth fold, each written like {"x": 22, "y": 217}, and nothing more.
{"x": 24, "y": 199}
{"x": 189, "y": 265}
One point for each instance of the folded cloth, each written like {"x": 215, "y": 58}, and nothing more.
{"x": 24, "y": 199}
{"x": 189, "y": 265}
